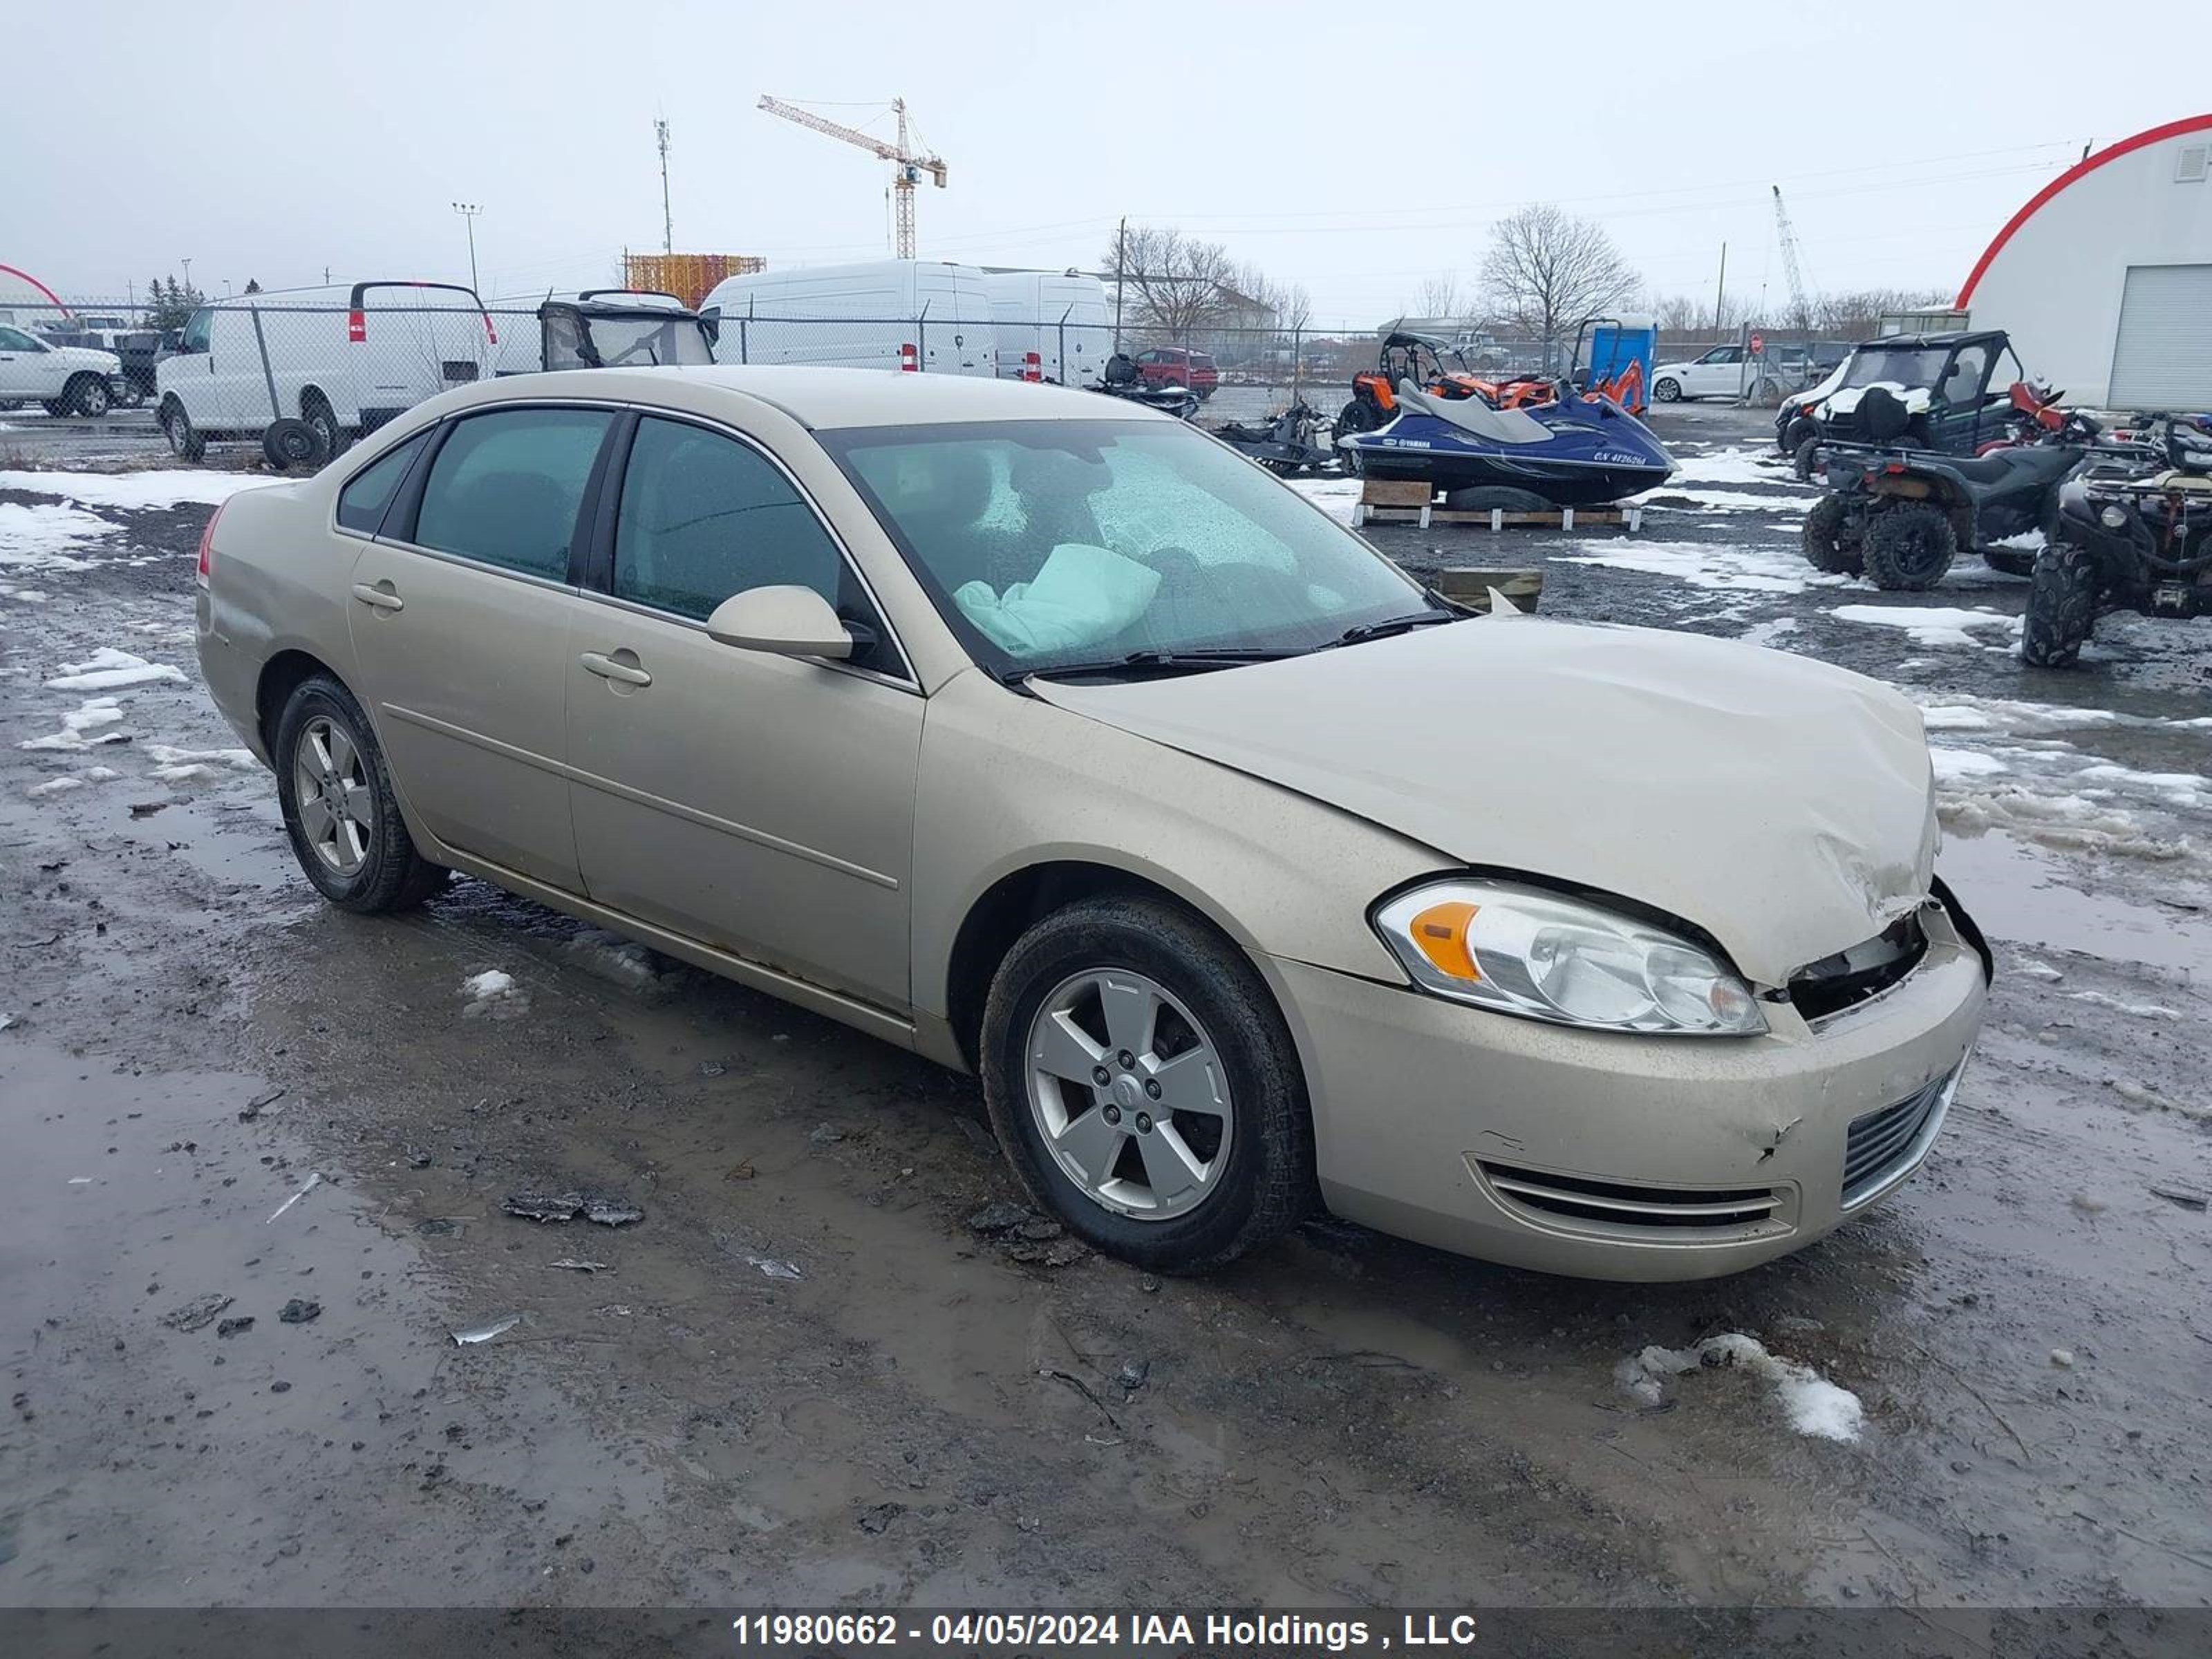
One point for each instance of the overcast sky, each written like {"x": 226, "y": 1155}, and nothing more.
{"x": 1353, "y": 149}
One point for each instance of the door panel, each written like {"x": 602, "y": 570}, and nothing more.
{"x": 761, "y": 804}
{"x": 465, "y": 680}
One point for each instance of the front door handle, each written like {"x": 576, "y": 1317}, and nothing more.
{"x": 380, "y": 597}
{"x": 614, "y": 668}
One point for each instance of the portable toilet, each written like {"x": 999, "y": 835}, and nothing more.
{"x": 1621, "y": 350}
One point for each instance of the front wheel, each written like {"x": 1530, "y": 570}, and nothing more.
{"x": 1666, "y": 389}
{"x": 1908, "y": 546}
{"x": 1808, "y": 456}
{"x": 1831, "y": 540}
{"x": 2062, "y": 607}
{"x": 1144, "y": 1086}
{"x": 88, "y": 395}
{"x": 185, "y": 443}
{"x": 340, "y": 809}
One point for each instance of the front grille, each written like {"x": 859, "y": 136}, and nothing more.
{"x": 1615, "y": 1205}
{"x": 1878, "y": 1143}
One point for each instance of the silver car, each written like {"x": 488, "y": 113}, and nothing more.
{"x": 1050, "y": 738}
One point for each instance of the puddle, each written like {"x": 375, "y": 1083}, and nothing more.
{"x": 2028, "y": 897}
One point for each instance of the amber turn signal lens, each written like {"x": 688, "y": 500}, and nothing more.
{"x": 1440, "y": 932}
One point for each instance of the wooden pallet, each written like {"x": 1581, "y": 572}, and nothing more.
{"x": 1409, "y": 501}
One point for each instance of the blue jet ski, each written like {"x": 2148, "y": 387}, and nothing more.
{"x": 1576, "y": 452}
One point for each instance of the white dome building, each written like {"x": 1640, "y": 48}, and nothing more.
{"x": 2105, "y": 278}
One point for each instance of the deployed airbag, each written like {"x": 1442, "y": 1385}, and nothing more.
{"x": 1082, "y": 595}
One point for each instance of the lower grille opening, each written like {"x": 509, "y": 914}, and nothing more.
{"x": 1617, "y": 1204}
{"x": 1876, "y": 1144}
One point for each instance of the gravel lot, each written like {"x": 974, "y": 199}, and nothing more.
{"x": 805, "y": 1377}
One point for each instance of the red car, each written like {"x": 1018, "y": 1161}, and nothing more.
{"x": 1174, "y": 366}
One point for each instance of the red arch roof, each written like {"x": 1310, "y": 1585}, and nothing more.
{"x": 2087, "y": 165}
{"x": 10, "y": 270}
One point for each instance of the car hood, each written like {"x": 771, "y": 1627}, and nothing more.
{"x": 1785, "y": 806}
{"x": 87, "y": 357}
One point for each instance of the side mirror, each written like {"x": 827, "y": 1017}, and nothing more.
{"x": 784, "y": 622}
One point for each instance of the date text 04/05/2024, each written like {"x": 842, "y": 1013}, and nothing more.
{"x": 1166, "y": 1630}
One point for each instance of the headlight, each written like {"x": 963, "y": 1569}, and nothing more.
{"x": 2114, "y": 518}
{"x": 1526, "y": 951}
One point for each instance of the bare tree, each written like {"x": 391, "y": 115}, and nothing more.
{"x": 1293, "y": 307}
{"x": 1858, "y": 315}
{"x": 1548, "y": 270}
{"x": 1439, "y": 298}
{"x": 1174, "y": 284}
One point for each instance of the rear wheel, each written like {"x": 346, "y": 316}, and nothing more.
{"x": 2062, "y": 607}
{"x": 340, "y": 808}
{"x": 1144, "y": 1086}
{"x": 1831, "y": 540}
{"x": 1666, "y": 389}
{"x": 1908, "y": 547}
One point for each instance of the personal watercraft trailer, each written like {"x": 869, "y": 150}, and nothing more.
{"x": 1574, "y": 451}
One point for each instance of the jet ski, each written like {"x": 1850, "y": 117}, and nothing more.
{"x": 1577, "y": 451}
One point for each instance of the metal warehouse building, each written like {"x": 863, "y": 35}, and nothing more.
{"x": 2104, "y": 277}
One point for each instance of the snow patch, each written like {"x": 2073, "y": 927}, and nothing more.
{"x": 108, "y": 668}
{"x": 1707, "y": 565}
{"x": 45, "y": 537}
{"x": 1743, "y": 464}
{"x": 1932, "y": 625}
{"x": 165, "y": 488}
{"x": 1814, "y": 1406}
{"x": 1725, "y": 501}
{"x": 86, "y": 717}
{"x": 1334, "y": 497}
{"x": 239, "y": 759}
{"x": 493, "y": 994}
{"x": 2140, "y": 1010}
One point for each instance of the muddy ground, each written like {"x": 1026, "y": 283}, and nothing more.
{"x": 805, "y": 1377}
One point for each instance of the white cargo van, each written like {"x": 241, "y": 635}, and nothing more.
{"x": 922, "y": 315}
{"x": 1052, "y": 326}
{"x": 344, "y": 359}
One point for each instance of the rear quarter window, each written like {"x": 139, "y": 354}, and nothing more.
{"x": 369, "y": 492}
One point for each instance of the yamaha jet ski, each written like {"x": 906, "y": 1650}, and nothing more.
{"x": 1577, "y": 451}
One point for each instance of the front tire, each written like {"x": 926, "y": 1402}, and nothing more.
{"x": 1806, "y": 459}
{"x": 2062, "y": 607}
{"x": 1666, "y": 389}
{"x": 87, "y": 395}
{"x": 1908, "y": 547}
{"x": 340, "y": 808}
{"x": 1197, "y": 1146}
{"x": 316, "y": 411}
{"x": 1831, "y": 541}
{"x": 185, "y": 443}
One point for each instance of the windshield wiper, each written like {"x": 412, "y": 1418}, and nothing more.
{"x": 1383, "y": 629}
{"x": 1149, "y": 662}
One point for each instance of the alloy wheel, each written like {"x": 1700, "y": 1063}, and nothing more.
{"x": 1129, "y": 1093}
{"x": 336, "y": 806}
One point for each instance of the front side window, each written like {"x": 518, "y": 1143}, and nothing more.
{"x": 197, "y": 328}
{"x": 505, "y": 488}
{"x": 14, "y": 339}
{"x": 1048, "y": 543}
{"x": 362, "y": 502}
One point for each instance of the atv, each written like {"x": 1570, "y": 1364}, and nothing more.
{"x": 1416, "y": 357}
{"x": 1900, "y": 515}
{"x": 2127, "y": 538}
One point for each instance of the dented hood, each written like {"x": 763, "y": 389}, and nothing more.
{"x": 1785, "y": 806}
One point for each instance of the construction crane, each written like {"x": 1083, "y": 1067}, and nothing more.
{"x": 910, "y": 167}
{"x": 1801, "y": 311}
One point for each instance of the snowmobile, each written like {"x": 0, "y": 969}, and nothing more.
{"x": 2127, "y": 538}
{"x": 1122, "y": 377}
{"x": 1289, "y": 443}
{"x": 1575, "y": 451}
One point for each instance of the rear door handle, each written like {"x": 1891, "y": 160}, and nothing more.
{"x": 608, "y": 668}
{"x": 380, "y": 597}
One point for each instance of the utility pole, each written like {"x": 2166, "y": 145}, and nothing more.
{"x": 1120, "y": 260}
{"x": 468, "y": 210}
{"x": 667, "y": 220}
{"x": 188, "y": 276}
{"x": 1719, "y": 291}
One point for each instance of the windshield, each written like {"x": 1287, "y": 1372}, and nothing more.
{"x": 637, "y": 342}
{"x": 1907, "y": 366}
{"x": 1051, "y": 543}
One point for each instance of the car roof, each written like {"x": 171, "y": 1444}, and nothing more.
{"x": 824, "y": 398}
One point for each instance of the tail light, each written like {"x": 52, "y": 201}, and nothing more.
{"x": 490, "y": 333}
{"x": 207, "y": 548}
{"x": 356, "y": 327}
{"x": 1032, "y": 365}
{"x": 909, "y": 359}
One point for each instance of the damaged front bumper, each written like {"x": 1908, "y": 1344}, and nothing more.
{"x": 1606, "y": 1155}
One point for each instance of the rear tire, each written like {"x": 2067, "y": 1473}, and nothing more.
{"x": 1830, "y": 543}
{"x": 2062, "y": 607}
{"x": 1261, "y": 1161}
{"x": 1908, "y": 547}
{"x": 341, "y": 811}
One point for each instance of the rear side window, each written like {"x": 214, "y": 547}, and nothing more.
{"x": 362, "y": 502}
{"x": 704, "y": 517}
{"x": 505, "y": 488}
